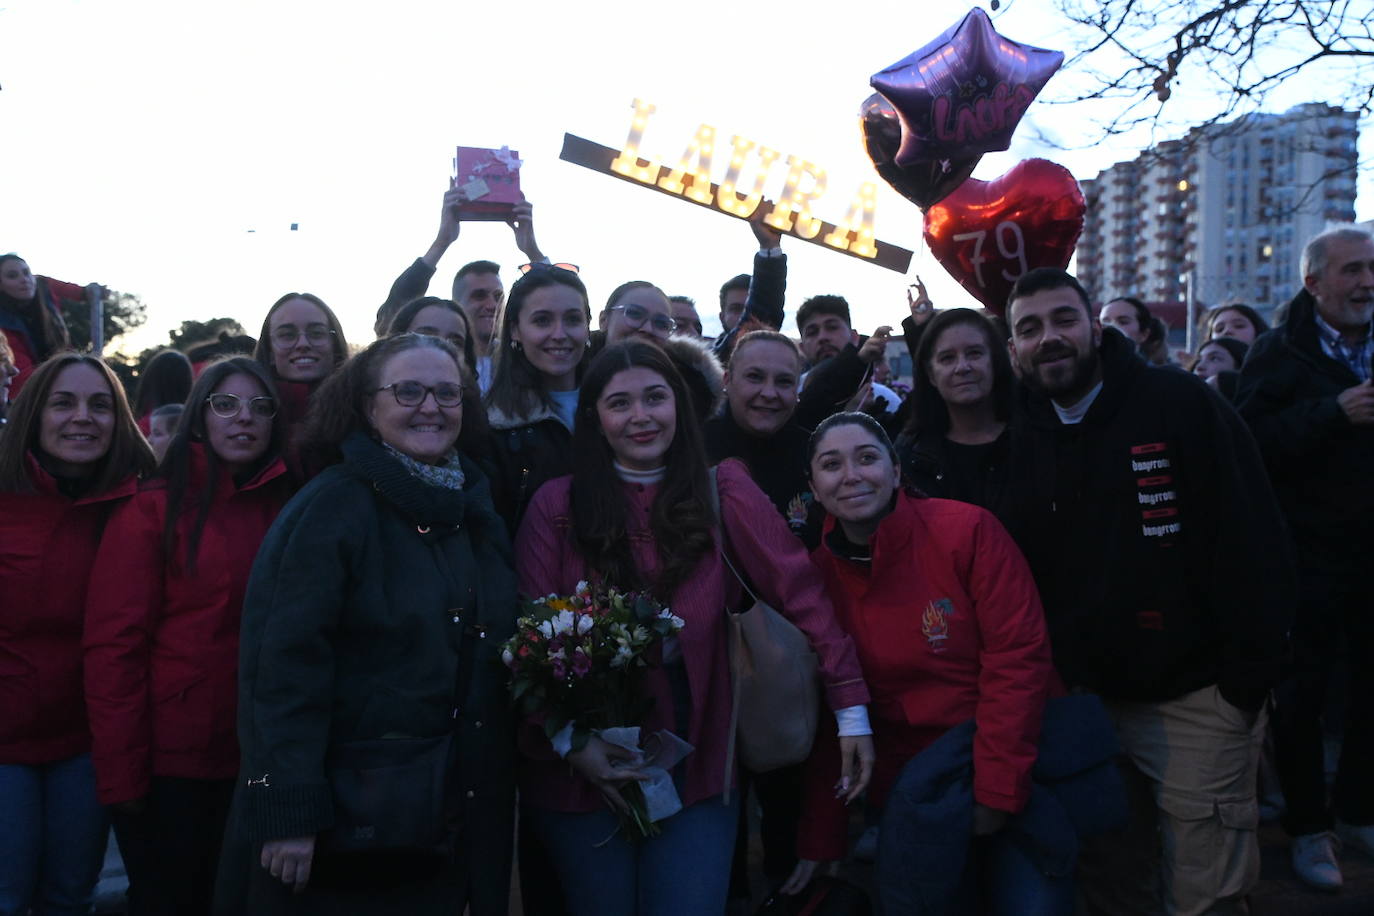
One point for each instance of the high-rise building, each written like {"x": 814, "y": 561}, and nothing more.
{"x": 1227, "y": 209}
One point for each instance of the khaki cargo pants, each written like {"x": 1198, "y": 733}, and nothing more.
{"x": 1191, "y": 848}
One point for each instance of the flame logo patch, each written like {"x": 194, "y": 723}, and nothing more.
{"x": 935, "y": 623}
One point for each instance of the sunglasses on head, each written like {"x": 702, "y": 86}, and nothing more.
{"x": 541, "y": 267}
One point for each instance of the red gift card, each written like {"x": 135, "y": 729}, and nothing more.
{"x": 492, "y": 179}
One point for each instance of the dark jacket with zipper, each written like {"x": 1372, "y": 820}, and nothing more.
{"x": 1154, "y": 537}
{"x": 778, "y": 465}
{"x": 526, "y": 454}
{"x": 376, "y": 608}
{"x": 940, "y": 468}
{"x": 1321, "y": 464}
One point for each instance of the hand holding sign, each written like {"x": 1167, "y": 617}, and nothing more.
{"x": 987, "y": 234}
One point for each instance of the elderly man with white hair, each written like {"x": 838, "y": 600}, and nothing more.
{"x": 1307, "y": 394}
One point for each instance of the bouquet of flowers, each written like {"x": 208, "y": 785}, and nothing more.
{"x": 580, "y": 659}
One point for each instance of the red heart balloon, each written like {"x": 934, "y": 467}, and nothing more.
{"x": 987, "y": 234}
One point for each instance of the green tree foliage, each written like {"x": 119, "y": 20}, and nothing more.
{"x": 123, "y": 312}
{"x": 189, "y": 334}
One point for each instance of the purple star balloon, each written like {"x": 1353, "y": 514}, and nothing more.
{"x": 964, "y": 93}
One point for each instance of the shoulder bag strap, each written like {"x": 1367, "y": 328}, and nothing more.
{"x": 734, "y": 636}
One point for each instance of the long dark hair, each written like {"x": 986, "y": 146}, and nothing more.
{"x": 175, "y": 467}
{"x": 263, "y": 351}
{"x": 473, "y": 436}
{"x": 681, "y": 519}
{"x": 405, "y": 317}
{"x": 339, "y": 407}
{"x": 517, "y": 388}
{"x": 42, "y": 319}
{"x": 930, "y": 414}
{"x": 1255, "y": 318}
{"x": 129, "y": 452}
{"x": 165, "y": 380}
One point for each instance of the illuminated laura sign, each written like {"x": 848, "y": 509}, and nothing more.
{"x": 794, "y": 212}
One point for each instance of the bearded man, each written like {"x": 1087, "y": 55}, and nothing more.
{"x": 1146, "y": 514}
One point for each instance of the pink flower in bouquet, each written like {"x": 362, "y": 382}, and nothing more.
{"x": 581, "y": 662}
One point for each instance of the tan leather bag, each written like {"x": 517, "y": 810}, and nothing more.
{"x": 776, "y": 695}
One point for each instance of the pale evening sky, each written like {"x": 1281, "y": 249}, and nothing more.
{"x": 144, "y": 138}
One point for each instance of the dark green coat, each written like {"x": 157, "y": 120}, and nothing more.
{"x": 360, "y": 598}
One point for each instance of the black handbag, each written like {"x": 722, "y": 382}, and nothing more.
{"x": 824, "y": 896}
{"x": 390, "y": 794}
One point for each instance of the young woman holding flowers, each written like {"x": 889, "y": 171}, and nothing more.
{"x": 162, "y": 635}
{"x": 71, "y": 452}
{"x": 637, "y": 514}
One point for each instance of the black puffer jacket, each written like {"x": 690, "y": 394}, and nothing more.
{"x": 1322, "y": 466}
{"x": 1154, "y": 537}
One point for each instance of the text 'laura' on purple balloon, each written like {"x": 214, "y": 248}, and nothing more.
{"x": 964, "y": 93}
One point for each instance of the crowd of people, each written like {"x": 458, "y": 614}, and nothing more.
{"x": 224, "y": 599}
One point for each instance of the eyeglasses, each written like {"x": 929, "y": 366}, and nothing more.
{"x": 541, "y": 266}
{"x": 413, "y": 394}
{"x": 227, "y": 406}
{"x": 636, "y": 315}
{"x": 285, "y": 337}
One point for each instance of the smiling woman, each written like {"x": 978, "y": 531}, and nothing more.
{"x": 950, "y": 628}
{"x": 957, "y": 441}
{"x": 69, "y": 455}
{"x": 161, "y": 633}
{"x": 301, "y": 342}
{"x": 370, "y": 627}
{"x": 538, "y": 359}
{"x": 758, "y": 426}
{"x": 29, "y": 316}
{"x": 637, "y": 513}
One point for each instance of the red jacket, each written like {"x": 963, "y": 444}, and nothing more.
{"x": 949, "y": 627}
{"x": 762, "y": 547}
{"x": 48, "y": 542}
{"x": 51, "y": 294}
{"x": 162, "y": 642}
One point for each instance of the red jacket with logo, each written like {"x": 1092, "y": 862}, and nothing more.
{"x": 48, "y": 542}
{"x": 162, "y": 641}
{"x": 949, "y": 627}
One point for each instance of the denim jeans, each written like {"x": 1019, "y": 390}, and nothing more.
{"x": 684, "y": 871}
{"x": 52, "y": 844}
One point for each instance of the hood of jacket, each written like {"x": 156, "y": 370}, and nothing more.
{"x": 499, "y": 419}
{"x": 701, "y": 370}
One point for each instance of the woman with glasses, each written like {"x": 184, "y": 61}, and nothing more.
{"x": 71, "y": 453}
{"x": 301, "y": 343}
{"x": 541, "y": 345}
{"x": 446, "y": 318}
{"x": 161, "y": 636}
{"x": 369, "y": 660}
{"x": 637, "y": 308}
